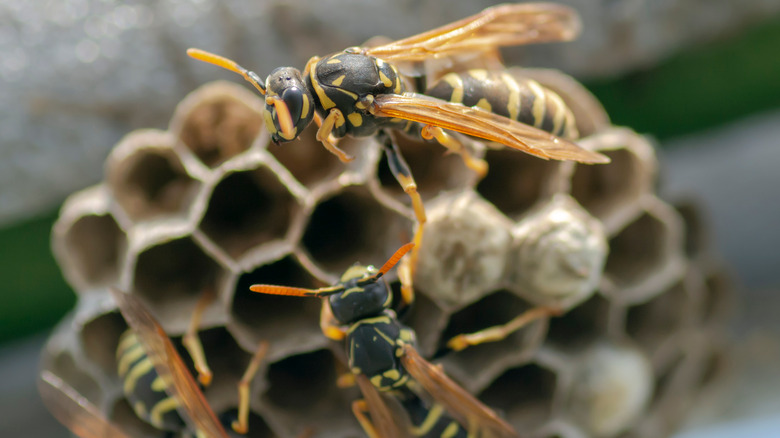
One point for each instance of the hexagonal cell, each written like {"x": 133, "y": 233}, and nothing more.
{"x": 64, "y": 366}
{"x": 310, "y": 163}
{"x": 612, "y": 387}
{"x": 581, "y": 324}
{"x": 475, "y": 366}
{"x": 302, "y": 392}
{"x": 247, "y": 209}
{"x": 610, "y": 191}
{"x": 658, "y": 322}
{"x": 218, "y": 121}
{"x": 464, "y": 249}
{"x": 643, "y": 258}
{"x": 524, "y": 394}
{"x": 558, "y": 254}
{"x": 95, "y": 245}
{"x": 695, "y": 231}
{"x": 123, "y": 415}
{"x": 516, "y": 181}
{"x": 433, "y": 169}
{"x": 171, "y": 276}
{"x": 350, "y": 227}
{"x": 100, "y": 337}
{"x": 290, "y": 324}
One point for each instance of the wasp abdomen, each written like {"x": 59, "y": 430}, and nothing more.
{"x": 143, "y": 387}
{"x": 517, "y": 98}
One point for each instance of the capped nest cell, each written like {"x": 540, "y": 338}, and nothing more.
{"x": 211, "y": 205}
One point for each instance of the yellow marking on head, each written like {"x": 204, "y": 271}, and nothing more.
{"x": 127, "y": 340}
{"x": 456, "y": 82}
{"x": 430, "y": 421}
{"x": 333, "y": 61}
{"x": 450, "y": 430}
{"x": 356, "y": 271}
{"x": 324, "y": 99}
{"x": 392, "y": 374}
{"x": 140, "y": 409}
{"x": 484, "y": 104}
{"x": 134, "y": 353}
{"x": 161, "y": 408}
{"x": 540, "y": 103}
{"x": 305, "y": 107}
{"x": 385, "y": 80}
{"x": 136, "y": 372}
{"x": 158, "y": 384}
{"x": 337, "y": 82}
{"x": 479, "y": 74}
{"x": 355, "y": 119}
{"x": 269, "y": 121}
{"x": 560, "y": 108}
{"x": 513, "y": 105}
{"x": 353, "y": 290}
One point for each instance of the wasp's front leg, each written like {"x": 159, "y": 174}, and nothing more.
{"x": 242, "y": 424}
{"x": 328, "y": 324}
{"x": 192, "y": 342}
{"x": 325, "y": 134}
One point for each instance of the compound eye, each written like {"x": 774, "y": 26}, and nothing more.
{"x": 293, "y": 97}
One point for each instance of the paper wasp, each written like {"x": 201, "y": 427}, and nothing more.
{"x": 360, "y": 92}
{"x": 155, "y": 376}
{"x": 382, "y": 359}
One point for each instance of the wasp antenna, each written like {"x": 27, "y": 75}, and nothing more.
{"x": 388, "y": 264}
{"x": 283, "y": 116}
{"x": 228, "y": 64}
{"x": 295, "y": 291}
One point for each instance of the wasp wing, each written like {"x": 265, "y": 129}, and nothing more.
{"x": 387, "y": 422}
{"x": 465, "y": 408}
{"x": 504, "y": 25}
{"x": 483, "y": 124}
{"x": 73, "y": 410}
{"x": 169, "y": 366}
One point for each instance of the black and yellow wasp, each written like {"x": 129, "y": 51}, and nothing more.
{"x": 361, "y": 92}
{"x": 382, "y": 358}
{"x": 154, "y": 375}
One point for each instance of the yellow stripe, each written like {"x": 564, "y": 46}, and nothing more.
{"x": 136, "y": 372}
{"x": 324, "y": 99}
{"x": 540, "y": 102}
{"x": 560, "y": 107}
{"x": 450, "y": 430}
{"x": 513, "y": 106}
{"x": 392, "y": 374}
{"x": 337, "y": 82}
{"x": 140, "y": 409}
{"x": 354, "y": 96}
{"x": 430, "y": 421}
{"x": 479, "y": 75}
{"x": 333, "y": 61}
{"x": 385, "y": 80}
{"x": 133, "y": 354}
{"x": 158, "y": 384}
{"x": 127, "y": 340}
{"x": 355, "y": 119}
{"x": 484, "y": 104}
{"x": 161, "y": 408}
{"x": 456, "y": 82}
{"x": 305, "y": 108}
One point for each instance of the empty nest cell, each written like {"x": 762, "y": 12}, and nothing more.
{"x": 285, "y": 322}
{"x": 247, "y": 209}
{"x": 581, "y": 324}
{"x": 100, "y": 337}
{"x": 150, "y": 182}
{"x": 525, "y": 394}
{"x": 95, "y": 245}
{"x": 351, "y": 226}
{"x": 657, "y": 322}
{"x": 717, "y": 300}
{"x": 218, "y": 122}
{"x": 173, "y": 273}
{"x": 695, "y": 232}
{"x": 64, "y": 366}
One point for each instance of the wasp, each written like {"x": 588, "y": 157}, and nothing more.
{"x": 361, "y": 92}
{"x": 382, "y": 358}
{"x": 154, "y": 376}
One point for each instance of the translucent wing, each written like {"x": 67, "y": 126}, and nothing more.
{"x": 387, "y": 423}
{"x": 504, "y": 25}
{"x": 169, "y": 366}
{"x": 74, "y": 411}
{"x": 483, "y": 124}
{"x": 465, "y": 408}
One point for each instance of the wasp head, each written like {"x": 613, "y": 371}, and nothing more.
{"x": 289, "y": 106}
{"x": 360, "y": 301}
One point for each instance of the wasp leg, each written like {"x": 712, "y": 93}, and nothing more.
{"x": 192, "y": 342}
{"x": 242, "y": 424}
{"x": 328, "y": 324}
{"x": 499, "y": 332}
{"x": 479, "y": 166}
{"x": 403, "y": 175}
{"x": 346, "y": 380}
{"x": 324, "y": 134}
{"x": 359, "y": 409}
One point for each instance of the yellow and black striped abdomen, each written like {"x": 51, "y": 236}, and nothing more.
{"x": 143, "y": 387}
{"x": 517, "y": 98}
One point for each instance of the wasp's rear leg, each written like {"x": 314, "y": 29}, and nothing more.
{"x": 478, "y": 165}
{"x": 499, "y": 332}
{"x": 359, "y": 409}
{"x": 403, "y": 175}
{"x": 242, "y": 424}
{"x": 192, "y": 342}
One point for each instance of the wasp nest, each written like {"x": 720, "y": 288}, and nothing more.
{"x": 210, "y": 204}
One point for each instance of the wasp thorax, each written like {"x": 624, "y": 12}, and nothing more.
{"x": 359, "y": 302}
{"x": 289, "y": 106}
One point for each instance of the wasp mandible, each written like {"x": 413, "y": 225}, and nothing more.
{"x": 360, "y": 92}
